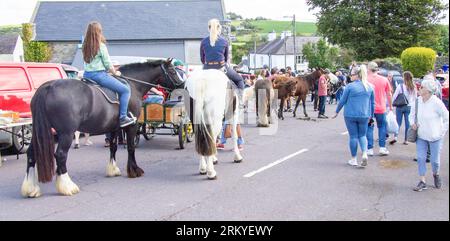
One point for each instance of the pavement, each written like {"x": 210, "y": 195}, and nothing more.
{"x": 300, "y": 173}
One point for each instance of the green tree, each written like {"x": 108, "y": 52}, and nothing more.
{"x": 35, "y": 51}
{"x": 378, "y": 29}
{"x": 320, "y": 55}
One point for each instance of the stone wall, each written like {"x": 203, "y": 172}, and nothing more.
{"x": 63, "y": 52}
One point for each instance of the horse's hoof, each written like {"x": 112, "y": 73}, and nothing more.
{"x": 238, "y": 161}
{"x": 65, "y": 186}
{"x": 135, "y": 172}
{"x": 30, "y": 189}
{"x": 213, "y": 178}
{"x": 215, "y": 162}
{"x": 202, "y": 173}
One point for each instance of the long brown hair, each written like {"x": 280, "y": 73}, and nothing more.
{"x": 92, "y": 40}
{"x": 408, "y": 80}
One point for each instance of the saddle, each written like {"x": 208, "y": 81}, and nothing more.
{"x": 111, "y": 96}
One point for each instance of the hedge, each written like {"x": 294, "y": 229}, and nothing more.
{"x": 418, "y": 60}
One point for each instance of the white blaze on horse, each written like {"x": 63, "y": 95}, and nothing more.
{"x": 213, "y": 99}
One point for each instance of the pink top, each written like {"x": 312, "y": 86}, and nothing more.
{"x": 323, "y": 86}
{"x": 382, "y": 89}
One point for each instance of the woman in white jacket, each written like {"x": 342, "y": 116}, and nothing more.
{"x": 432, "y": 125}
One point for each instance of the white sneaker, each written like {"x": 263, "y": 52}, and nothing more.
{"x": 353, "y": 162}
{"x": 383, "y": 151}
{"x": 364, "y": 160}
{"x": 370, "y": 152}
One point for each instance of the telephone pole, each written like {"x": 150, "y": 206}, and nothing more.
{"x": 295, "y": 43}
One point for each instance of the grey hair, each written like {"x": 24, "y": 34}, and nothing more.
{"x": 429, "y": 84}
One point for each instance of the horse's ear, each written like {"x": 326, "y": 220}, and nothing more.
{"x": 169, "y": 61}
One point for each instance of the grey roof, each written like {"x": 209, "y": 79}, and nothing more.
{"x": 8, "y": 43}
{"x": 276, "y": 47}
{"x": 127, "y": 20}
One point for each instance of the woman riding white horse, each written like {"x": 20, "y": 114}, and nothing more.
{"x": 213, "y": 98}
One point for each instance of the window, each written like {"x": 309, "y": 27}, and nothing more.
{"x": 40, "y": 75}
{"x": 13, "y": 79}
{"x": 299, "y": 59}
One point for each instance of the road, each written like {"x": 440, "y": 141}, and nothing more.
{"x": 310, "y": 181}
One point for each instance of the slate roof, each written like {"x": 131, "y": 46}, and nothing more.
{"x": 8, "y": 43}
{"x": 127, "y": 20}
{"x": 276, "y": 47}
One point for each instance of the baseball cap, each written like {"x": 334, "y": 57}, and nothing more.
{"x": 372, "y": 66}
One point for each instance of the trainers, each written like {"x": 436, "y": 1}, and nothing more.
{"x": 364, "y": 160}
{"x": 220, "y": 146}
{"x": 370, "y": 152}
{"x": 420, "y": 187}
{"x": 393, "y": 141}
{"x": 126, "y": 121}
{"x": 353, "y": 162}
{"x": 383, "y": 151}
{"x": 322, "y": 117}
{"x": 437, "y": 181}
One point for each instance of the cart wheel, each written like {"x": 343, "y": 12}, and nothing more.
{"x": 189, "y": 132}
{"x": 181, "y": 135}
{"x": 147, "y": 131}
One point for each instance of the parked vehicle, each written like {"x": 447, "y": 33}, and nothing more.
{"x": 18, "y": 83}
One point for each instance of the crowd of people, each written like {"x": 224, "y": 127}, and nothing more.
{"x": 366, "y": 97}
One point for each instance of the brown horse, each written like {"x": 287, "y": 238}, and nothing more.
{"x": 264, "y": 101}
{"x": 305, "y": 83}
{"x": 286, "y": 87}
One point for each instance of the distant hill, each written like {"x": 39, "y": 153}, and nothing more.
{"x": 267, "y": 26}
{"x": 7, "y": 29}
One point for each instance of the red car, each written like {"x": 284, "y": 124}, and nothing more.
{"x": 18, "y": 83}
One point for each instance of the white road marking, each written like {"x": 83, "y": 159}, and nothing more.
{"x": 251, "y": 174}
{"x": 344, "y": 133}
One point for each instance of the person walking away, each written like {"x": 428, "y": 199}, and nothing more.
{"x": 322, "y": 93}
{"x": 96, "y": 64}
{"x": 382, "y": 90}
{"x": 432, "y": 126}
{"x": 408, "y": 88}
{"x": 358, "y": 101}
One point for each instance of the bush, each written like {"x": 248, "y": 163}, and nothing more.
{"x": 37, "y": 52}
{"x": 418, "y": 60}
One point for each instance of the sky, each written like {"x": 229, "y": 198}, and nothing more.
{"x": 20, "y": 11}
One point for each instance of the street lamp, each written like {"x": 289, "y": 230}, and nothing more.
{"x": 294, "y": 26}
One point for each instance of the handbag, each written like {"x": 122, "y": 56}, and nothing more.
{"x": 401, "y": 99}
{"x": 411, "y": 136}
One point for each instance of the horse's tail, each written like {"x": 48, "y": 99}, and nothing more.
{"x": 42, "y": 139}
{"x": 204, "y": 141}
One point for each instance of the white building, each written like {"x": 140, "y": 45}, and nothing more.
{"x": 11, "y": 48}
{"x": 279, "y": 52}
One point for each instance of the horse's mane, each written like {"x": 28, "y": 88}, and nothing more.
{"x": 144, "y": 65}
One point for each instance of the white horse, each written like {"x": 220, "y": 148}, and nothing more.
{"x": 213, "y": 99}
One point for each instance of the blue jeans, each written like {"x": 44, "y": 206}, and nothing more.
{"x": 322, "y": 100}
{"x": 381, "y": 124}
{"x": 357, "y": 129}
{"x": 105, "y": 80}
{"x": 339, "y": 94}
{"x": 401, "y": 112}
{"x": 223, "y": 140}
{"x": 435, "y": 157}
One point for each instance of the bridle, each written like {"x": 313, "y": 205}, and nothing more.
{"x": 166, "y": 77}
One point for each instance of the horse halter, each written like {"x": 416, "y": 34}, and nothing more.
{"x": 169, "y": 79}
